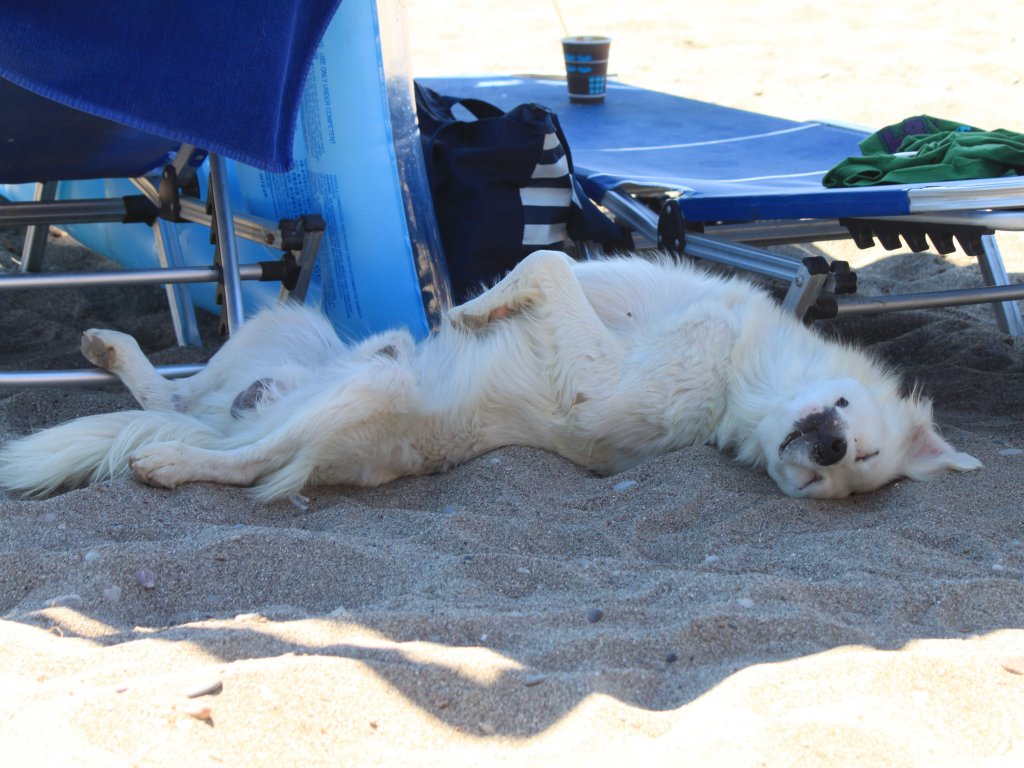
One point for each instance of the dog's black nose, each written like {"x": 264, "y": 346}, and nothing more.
{"x": 823, "y": 433}
{"x": 828, "y": 449}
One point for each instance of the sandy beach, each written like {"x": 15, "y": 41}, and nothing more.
{"x": 519, "y": 610}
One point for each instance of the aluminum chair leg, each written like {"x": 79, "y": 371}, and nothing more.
{"x": 227, "y": 248}
{"x": 85, "y": 377}
{"x": 990, "y": 261}
{"x": 808, "y": 283}
{"x": 179, "y": 301}
{"x": 35, "y": 234}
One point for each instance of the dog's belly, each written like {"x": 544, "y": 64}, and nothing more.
{"x": 658, "y": 390}
{"x": 610, "y": 435}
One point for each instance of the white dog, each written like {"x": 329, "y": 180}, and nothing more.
{"x": 606, "y": 363}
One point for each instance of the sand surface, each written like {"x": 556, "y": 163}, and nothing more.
{"x": 519, "y": 610}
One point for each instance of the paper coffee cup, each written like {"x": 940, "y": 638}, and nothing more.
{"x": 586, "y": 67}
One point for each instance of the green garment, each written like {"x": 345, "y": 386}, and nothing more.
{"x": 947, "y": 151}
{"x": 889, "y": 139}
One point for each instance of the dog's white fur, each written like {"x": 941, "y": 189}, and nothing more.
{"x": 606, "y": 363}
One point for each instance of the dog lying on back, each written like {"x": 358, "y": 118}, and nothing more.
{"x": 607, "y": 363}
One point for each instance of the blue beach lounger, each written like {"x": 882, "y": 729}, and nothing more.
{"x": 718, "y": 183}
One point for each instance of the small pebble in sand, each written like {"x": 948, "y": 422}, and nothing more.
{"x": 92, "y": 556}
{"x": 199, "y": 712}
{"x": 625, "y": 485}
{"x": 711, "y": 559}
{"x": 745, "y": 602}
{"x": 534, "y": 679}
{"x": 450, "y": 509}
{"x": 112, "y": 594}
{"x": 672, "y": 658}
{"x": 998, "y": 567}
{"x": 594, "y": 615}
{"x": 207, "y": 688}
{"x": 50, "y": 518}
{"x": 1014, "y": 664}
{"x": 145, "y": 578}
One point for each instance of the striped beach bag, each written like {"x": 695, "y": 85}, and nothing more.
{"x": 503, "y": 187}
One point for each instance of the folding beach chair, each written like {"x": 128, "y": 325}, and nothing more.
{"x": 142, "y": 91}
{"x": 46, "y": 143}
{"x": 718, "y": 183}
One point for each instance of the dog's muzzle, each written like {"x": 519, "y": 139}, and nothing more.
{"x": 822, "y": 435}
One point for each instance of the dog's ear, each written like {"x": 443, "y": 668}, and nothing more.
{"x": 928, "y": 454}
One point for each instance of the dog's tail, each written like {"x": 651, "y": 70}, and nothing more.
{"x": 91, "y": 449}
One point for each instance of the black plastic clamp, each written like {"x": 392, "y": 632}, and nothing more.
{"x": 138, "y": 209}
{"x": 672, "y": 228}
{"x": 844, "y": 279}
{"x": 916, "y": 235}
{"x": 170, "y": 191}
{"x": 825, "y": 308}
{"x": 293, "y": 231}
{"x": 170, "y": 195}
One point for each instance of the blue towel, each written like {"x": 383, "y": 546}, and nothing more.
{"x": 225, "y": 75}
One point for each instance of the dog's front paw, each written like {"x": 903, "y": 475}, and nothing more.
{"x": 105, "y": 348}
{"x": 160, "y": 466}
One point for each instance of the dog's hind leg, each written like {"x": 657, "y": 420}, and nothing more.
{"x": 120, "y": 354}
{"x": 349, "y": 433}
{"x": 284, "y": 336}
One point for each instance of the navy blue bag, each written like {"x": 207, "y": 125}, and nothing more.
{"x": 503, "y": 187}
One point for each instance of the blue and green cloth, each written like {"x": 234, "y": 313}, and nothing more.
{"x": 923, "y": 148}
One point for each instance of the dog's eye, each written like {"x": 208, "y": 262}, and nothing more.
{"x": 866, "y": 456}
{"x": 842, "y": 402}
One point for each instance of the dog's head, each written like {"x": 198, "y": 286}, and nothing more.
{"x": 837, "y": 438}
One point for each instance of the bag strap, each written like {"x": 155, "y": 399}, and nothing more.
{"x": 586, "y": 222}
{"x": 435, "y": 110}
{"x": 479, "y": 109}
